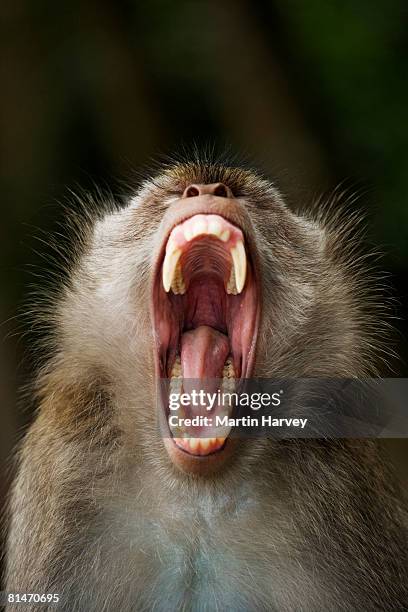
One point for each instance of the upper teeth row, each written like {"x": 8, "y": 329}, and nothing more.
{"x": 200, "y": 225}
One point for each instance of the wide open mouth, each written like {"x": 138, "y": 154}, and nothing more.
{"x": 205, "y": 313}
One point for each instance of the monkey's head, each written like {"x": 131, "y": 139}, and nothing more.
{"x": 206, "y": 274}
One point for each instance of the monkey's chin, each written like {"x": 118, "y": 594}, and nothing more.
{"x": 205, "y": 316}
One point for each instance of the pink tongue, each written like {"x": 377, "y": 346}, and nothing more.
{"x": 203, "y": 353}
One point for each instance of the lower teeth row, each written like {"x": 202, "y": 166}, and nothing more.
{"x": 176, "y": 386}
{"x": 206, "y": 445}
{"x": 228, "y": 376}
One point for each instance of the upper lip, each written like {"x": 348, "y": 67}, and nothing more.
{"x": 183, "y": 209}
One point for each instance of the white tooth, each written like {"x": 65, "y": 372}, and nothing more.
{"x": 187, "y": 231}
{"x": 176, "y": 381}
{"x": 176, "y": 365}
{"x": 171, "y": 245}
{"x": 176, "y": 384}
{"x": 228, "y": 386}
{"x": 194, "y": 443}
{"x": 239, "y": 261}
{"x": 225, "y": 236}
{"x": 176, "y": 370}
{"x": 177, "y": 286}
{"x": 177, "y": 430}
{"x": 228, "y": 383}
{"x": 169, "y": 266}
{"x": 175, "y": 391}
{"x": 199, "y": 227}
{"x": 176, "y": 378}
{"x": 231, "y": 285}
{"x": 228, "y": 371}
{"x": 214, "y": 227}
{"x": 205, "y": 443}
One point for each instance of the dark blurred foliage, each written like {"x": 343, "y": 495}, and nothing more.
{"x": 314, "y": 92}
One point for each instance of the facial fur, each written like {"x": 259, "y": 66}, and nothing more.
{"x": 94, "y": 462}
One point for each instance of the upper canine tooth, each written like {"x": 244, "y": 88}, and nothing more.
{"x": 239, "y": 261}
{"x": 169, "y": 265}
{"x": 231, "y": 285}
{"x": 177, "y": 284}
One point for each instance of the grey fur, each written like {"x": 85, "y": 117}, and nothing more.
{"x": 98, "y": 512}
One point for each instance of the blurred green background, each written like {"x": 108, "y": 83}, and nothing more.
{"x": 314, "y": 92}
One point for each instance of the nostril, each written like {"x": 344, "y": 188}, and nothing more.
{"x": 216, "y": 189}
{"x": 221, "y": 191}
{"x": 191, "y": 192}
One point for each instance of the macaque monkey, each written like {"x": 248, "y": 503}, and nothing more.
{"x": 205, "y": 272}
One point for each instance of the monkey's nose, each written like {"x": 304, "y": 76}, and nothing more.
{"x": 217, "y": 189}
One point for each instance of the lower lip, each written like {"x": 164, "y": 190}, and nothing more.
{"x": 202, "y": 465}
{"x": 202, "y": 447}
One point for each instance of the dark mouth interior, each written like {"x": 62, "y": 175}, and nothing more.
{"x": 205, "y": 326}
